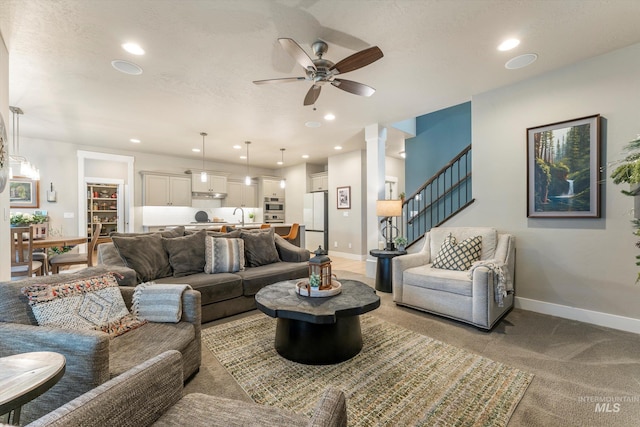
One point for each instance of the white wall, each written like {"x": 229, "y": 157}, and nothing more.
{"x": 586, "y": 264}
{"x": 5, "y": 263}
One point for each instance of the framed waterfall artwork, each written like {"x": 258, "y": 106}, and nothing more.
{"x": 563, "y": 169}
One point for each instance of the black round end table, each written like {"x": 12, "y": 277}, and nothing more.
{"x": 383, "y": 269}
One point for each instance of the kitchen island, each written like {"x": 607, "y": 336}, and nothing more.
{"x": 281, "y": 229}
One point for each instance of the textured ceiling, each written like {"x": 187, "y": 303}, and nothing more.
{"x": 202, "y": 56}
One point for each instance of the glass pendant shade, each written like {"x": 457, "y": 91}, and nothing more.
{"x": 203, "y": 174}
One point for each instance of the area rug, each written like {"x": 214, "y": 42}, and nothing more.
{"x": 400, "y": 378}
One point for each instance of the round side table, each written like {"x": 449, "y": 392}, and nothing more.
{"x": 383, "y": 268}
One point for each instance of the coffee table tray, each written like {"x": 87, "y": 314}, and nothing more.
{"x": 301, "y": 289}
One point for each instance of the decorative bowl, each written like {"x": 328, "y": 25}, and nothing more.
{"x": 303, "y": 289}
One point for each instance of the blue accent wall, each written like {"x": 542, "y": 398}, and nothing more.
{"x": 440, "y": 136}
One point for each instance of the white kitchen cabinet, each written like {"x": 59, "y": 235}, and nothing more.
{"x": 166, "y": 190}
{"x": 320, "y": 181}
{"x": 214, "y": 184}
{"x": 271, "y": 188}
{"x": 240, "y": 195}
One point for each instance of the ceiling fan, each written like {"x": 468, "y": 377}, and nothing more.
{"x": 321, "y": 71}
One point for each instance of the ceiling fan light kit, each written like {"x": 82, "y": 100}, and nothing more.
{"x": 321, "y": 71}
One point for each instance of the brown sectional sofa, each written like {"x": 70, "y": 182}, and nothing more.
{"x": 222, "y": 294}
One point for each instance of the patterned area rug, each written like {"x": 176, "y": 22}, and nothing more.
{"x": 400, "y": 378}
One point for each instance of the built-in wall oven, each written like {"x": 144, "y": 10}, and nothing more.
{"x": 273, "y": 210}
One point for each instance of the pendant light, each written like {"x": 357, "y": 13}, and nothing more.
{"x": 26, "y": 168}
{"x": 247, "y": 179}
{"x": 282, "y": 181}
{"x": 203, "y": 174}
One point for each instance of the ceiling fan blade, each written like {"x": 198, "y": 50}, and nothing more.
{"x": 283, "y": 80}
{"x": 312, "y": 95}
{"x": 353, "y": 87}
{"x": 297, "y": 53}
{"x": 357, "y": 60}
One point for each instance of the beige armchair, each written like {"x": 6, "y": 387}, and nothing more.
{"x": 480, "y": 296}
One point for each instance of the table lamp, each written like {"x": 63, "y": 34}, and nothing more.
{"x": 389, "y": 209}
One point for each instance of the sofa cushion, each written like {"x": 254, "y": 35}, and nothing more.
{"x": 458, "y": 256}
{"x": 223, "y": 255}
{"x": 93, "y": 303}
{"x": 149, "y": 340}
{"x": 170, "y": 232}
{"x": 186, "y": 254}
{"x": 259, "y": 247}
{"x": 489, "y": 238}
{"x": 452, "y": 281}
{"x": 256, "y": 278}
{"x": 145, "y": 254}
{"x": 212, "y": 287}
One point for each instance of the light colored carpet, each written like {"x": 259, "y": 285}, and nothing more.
{"x": 400, "y": 377}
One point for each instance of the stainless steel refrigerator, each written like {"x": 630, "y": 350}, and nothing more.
{"x": 316, "y": 220}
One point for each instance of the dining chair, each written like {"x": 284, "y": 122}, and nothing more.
{"x": 41, "y": 231}
{"x": 67, "y": 259}
{"x": 22, "y": 263}
{"x": 265, "y": 226}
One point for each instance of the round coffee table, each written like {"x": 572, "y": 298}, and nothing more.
{"x": 317, "y": 331}
{"x": 23, "y": 377}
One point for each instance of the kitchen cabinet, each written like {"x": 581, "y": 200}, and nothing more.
{"x": 271, "y": 188}
{"x": 241, "y": 195}
{"x": 214, "y": 184}
{"x": 166, "y": 190}
{"x": 320, "y": 181}
{"x": 104, "y": 206}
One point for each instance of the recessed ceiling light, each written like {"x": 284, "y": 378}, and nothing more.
{"x": 279, "y": 162}
{"x": 329, "y": 116}
{"x": 521, "y": 61}
{"x": 195, "y": 150}
{"x": 133, "y": 48}
{"x": 403, "y": 154}
{"x": 337, "y": 147}
{"x": 243, "y": 157}
{"x": 508, "y": 44}
{"x": 135, "y": 140}
{"x": 237, "y": 147}
{"x": 305, "y": 156}
{"x": 312, "y": 124}
{"x": 126, "y": 67}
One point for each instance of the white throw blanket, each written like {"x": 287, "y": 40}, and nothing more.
{"x": 158, "y": 302}
{"x": 502, "y": 282}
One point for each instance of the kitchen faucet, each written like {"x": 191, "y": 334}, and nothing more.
{"x": 242, "y": 211}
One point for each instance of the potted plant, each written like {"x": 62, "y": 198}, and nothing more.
{"x": 628, "y": 172}
{"x": 251, "y": 216}
{"x": 401, "y": 242}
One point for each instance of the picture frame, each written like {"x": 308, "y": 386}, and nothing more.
{"x": 343, "y": 197}
{"x": 563, "y": 169}
{"x": 24, "y": 192}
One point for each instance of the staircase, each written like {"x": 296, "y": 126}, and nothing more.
{"x": 442, "y": 196}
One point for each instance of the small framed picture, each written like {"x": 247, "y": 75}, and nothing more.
{"x": 344, "y": 197}
{"x": 563, "y": 169}
{"x": 24, "y": 193}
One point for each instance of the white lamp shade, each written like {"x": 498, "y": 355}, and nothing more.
{"x": 389, "y": 207}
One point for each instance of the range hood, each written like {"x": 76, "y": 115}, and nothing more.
{"x": 207, "y": 196}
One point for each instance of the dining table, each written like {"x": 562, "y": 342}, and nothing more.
{"x": 53, "y": 241}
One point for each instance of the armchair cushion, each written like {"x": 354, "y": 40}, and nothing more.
{"x": 90, "y": 303}
{"x": 145, "y": 254}
{"x": 458, "y": 256}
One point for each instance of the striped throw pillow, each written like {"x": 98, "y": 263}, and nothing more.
{"x": 223, "y": 255}
{"x": 459, "y": 256}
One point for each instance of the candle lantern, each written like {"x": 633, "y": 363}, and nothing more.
{"x": 321, "y": 266}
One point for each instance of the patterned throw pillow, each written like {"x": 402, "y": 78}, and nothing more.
{"x": 223, "y": 255}
{"x": 90, "y": 303}
{"x": 459, "y": 256}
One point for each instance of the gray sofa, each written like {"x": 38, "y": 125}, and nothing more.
{"x": 223, "y": 294}
{"x": 92, "y": 357}
{"x": 151, "y": 394}
{"x": 480, "y": 295}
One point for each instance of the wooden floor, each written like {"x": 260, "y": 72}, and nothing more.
{"x": 358, "y": 267}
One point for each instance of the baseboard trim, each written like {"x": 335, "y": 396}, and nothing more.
{"x": 355, "y": 257}
{"x": 588, "y": 316}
